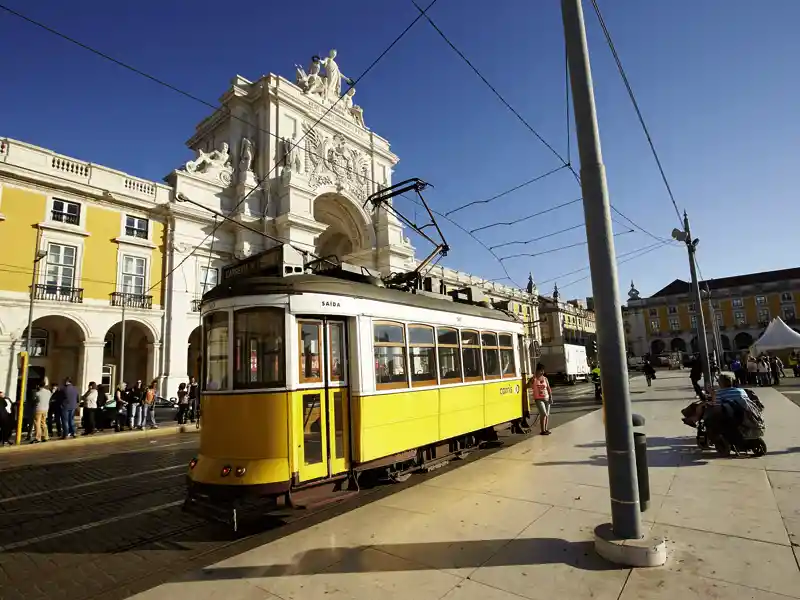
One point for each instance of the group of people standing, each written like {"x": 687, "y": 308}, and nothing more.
{"x": 762, "y": 370}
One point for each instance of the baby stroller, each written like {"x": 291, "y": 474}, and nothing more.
{"x": 728, "y": 428}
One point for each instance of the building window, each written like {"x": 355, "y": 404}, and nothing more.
{"x": 109, "y": 346}
{"x": 653, "y": 312}
{"x": 508, "y": 364}
{"x": 674, "y": 324}
{"x": 449, "y": 355}
{"x": 761, "y": 300}
{"x": 39, "y": 339}
{"x": 258, "y": 353}
{"x": 209, "y": 278}
{"x": 763, "y": 316}
{"x": 471, "y": 355}
{"x": 491, "y": 355}
{"x": 66, "y": 212}
{"x": 310, "y": 333}
{"x": 390, "y": 356}
{"x": 719, "y": 318}
{"x": 693, "y": 321}
{"x": 737, "y": 303}
{"x": 692, "y": 307}
{"x": 216, "y": 351}
{"x": 739, "y": 317}
{"x": 136, "y": 227}
{"x": 673, "y": 310}
{"x": 655, "y": 325}
{"x": 422, "y": 351}
{"x": 60, "y": 271}
{"x": 787, "y": 297}
{"x": 788, "y": 314}
{"x": 134, "y": 269}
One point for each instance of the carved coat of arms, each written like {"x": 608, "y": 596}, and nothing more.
{"x": 330, "y": 161}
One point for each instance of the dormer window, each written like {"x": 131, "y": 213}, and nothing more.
{"x": 136, "y": 227}
{"x": 66, "y": 212}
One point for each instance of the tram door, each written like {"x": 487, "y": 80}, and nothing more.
{"x": 324, "y": 406}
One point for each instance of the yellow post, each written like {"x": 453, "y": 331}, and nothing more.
{"x": 23, "y": 364}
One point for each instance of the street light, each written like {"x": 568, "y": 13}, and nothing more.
{"x": 685, "y": 236}
{"x": 25, "y": 354}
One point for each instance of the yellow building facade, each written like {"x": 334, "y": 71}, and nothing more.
{"x": 741, "y": 306}
{"x": 80, "y": 243}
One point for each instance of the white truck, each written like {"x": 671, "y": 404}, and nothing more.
{"x": 566, "y": 363}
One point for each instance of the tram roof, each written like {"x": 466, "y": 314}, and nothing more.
{"x": 320, "y": 284}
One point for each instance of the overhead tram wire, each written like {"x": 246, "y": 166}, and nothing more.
{"x": 632, "y": 97}
{"x": 505, "y": 193}
{"x": 537, "y": 239}
{"x": 552, "y": 250}
{"x": 566, "y": 163}
{"x": 536, "y": 214}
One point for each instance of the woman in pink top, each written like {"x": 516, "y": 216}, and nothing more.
{"x": 543, "y": 396}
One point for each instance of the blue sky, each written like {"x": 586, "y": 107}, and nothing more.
{"x": 716, "y": 80}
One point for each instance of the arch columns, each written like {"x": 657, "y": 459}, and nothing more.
{"x": 153, "y": 361}
{"x": 91, "y": 363}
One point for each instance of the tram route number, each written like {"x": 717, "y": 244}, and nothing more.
{"x": 509, "y": 390}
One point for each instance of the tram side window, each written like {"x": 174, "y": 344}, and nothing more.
{"x": 216, "y": 351}
{"x": 423, "y": 355}
{"x": 310, "y": 353}
{"x": 449, "y": 355}
{"x": 471, "y": 355}
{"x": 258, "y": 348}
{"x": 491, "y": 355}
{"x": 507, "y": 358}
{"x": 390, "y": 356}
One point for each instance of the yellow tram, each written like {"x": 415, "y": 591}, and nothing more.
{"x": 314, "y": 378}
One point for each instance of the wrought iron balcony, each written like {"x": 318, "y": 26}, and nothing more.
{"x": 131, "y": 300}
{"x": 196, "y": 304}
{"x": 63, "y": 217}
{"x": 58, "y": 293}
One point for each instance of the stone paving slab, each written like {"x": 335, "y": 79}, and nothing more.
{"x": 519, "y": 524}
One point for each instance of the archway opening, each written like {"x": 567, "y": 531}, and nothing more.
{"x": 743, "y": 341}
{"x": 56, "y": 350}
{"x": 347, "y": 231}
{"x": 726, "y": 342}
{"x": 138, "y": 363}
{"x": 194, "y": 356}
{"x": 677, "y": 345}
{"x": 657, "y": 347}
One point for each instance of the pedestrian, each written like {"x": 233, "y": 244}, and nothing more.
{"x": 736, "y": 367}
{"x": 121, "y": 399}
{"x": 695, "y": 374}
{"x": 149, "y": 406}
{"x": 183, "y": 404}
{"x": 543, "y": 396}
{"x": 54, "y": 413}
{"x": 649, "y": 372}
{"x": 90, "y": 409}
{"x": 6, "y": 419}
{"x": 774, "y": 369}
{"x": 43, "y": 395}
{"x": 763, "y": 371}
{"x": 68, "y": 409}
{"x": 135, "y": 400}
{"x": 752, "y": 370}
{"x": 193, "y": 399}
{"x": 100, "y": 414}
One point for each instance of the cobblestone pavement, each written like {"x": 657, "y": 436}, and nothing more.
{"x": 104, "y": 521}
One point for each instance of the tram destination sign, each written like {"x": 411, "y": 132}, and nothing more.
{"x": 264, "y": 263}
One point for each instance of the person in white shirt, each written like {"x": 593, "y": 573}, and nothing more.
{"x": 90, "y": 408}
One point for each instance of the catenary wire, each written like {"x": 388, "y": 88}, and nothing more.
{"x": 552, "y": 250}
{"x": 536, "y": 214}
{"x": 508, "y": 191}
{"x": 566, "y": 163}
{"x": 632, "y": 97}
{"x": 643, "y": 253}
{"x": 537, "y": 239}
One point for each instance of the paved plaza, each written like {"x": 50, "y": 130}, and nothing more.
{"x": 519, "y": 524}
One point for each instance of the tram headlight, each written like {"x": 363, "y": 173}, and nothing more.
{"x": 240, "y": 471}
{"x": 226, "y": 470}
{"x": 193, "y": 463}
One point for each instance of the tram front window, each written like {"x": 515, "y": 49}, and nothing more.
{"x": 258, "y": 348}
{"x": 216, "y": 371}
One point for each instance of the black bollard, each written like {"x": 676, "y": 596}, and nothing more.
{"x": 640, "y": 449}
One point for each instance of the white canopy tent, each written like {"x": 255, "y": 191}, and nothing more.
{"x": 777, "y": 336}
